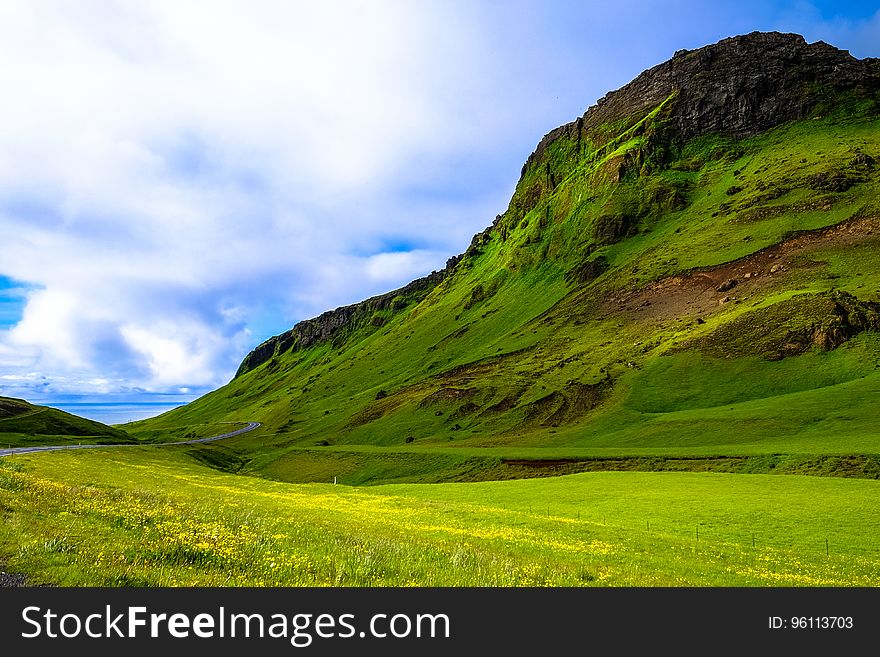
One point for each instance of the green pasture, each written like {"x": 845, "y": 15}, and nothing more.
{"x": 146, "y": 517}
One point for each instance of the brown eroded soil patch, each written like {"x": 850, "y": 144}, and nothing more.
{"x": 702, "y": 290}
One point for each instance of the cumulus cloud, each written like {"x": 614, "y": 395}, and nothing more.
{"x": 178, "y": 181}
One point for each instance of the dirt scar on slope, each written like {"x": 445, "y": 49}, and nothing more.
{"x": 700, "y": 291}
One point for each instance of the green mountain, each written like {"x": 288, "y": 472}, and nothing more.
{"x": 686, "y": 277}
{"x": 23, "y": 424}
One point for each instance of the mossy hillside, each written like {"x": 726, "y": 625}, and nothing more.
{"x": 740, "y": 195}
{"x": 695, "y": 380}
{"x": 23, "y": 424}
{"x": 835, "y": 419}
{"x": 518, "y": 345}
{"x": 10, "y": 407}
{"x": 379, "y": 467}
{"x": 179, "y": 434}
{"x": 793, "y": 326}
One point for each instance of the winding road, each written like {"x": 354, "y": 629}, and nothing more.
{"x": 29, "y": 450}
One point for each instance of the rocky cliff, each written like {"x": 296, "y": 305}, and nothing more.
{"x": 340, "y": 322}
{"x": 739, "y": 87}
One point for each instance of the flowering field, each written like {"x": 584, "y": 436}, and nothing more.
{"x": 144, "y": 517}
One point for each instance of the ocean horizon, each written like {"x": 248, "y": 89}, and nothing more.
{"x": 116, "y": 412}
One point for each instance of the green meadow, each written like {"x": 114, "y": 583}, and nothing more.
{"x": 144, "y": 517}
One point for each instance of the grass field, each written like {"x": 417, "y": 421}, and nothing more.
{"x": 144, "y": 516}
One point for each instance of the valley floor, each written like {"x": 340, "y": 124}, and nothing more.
{"x": 147, "y": 516}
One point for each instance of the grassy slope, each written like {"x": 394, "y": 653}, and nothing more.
{"x": 156, "y": 518}
{"x": 23, "y": 424}
{"x": 512, "y": 351}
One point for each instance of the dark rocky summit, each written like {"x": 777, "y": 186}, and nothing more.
{"x": 740, "y": 87}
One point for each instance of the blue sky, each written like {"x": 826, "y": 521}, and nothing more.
{"x": 12, "y": 301}
{"x": 179, "y": 181}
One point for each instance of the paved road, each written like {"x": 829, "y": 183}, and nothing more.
{"x": 28, "y": 450}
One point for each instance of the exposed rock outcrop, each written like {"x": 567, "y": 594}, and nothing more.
{"x": 740, "y": 87}
{"x": 825, "y": 320}
{"x": 340, "y": 322}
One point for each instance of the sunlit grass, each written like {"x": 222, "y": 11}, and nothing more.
{"x": 148, "y": 518}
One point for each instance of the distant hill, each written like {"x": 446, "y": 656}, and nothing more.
{"x": 24, "y": 424}
{"x": 690, "y": 268}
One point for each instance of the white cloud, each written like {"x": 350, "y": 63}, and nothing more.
{"x": 50, "y": 322}
{"x": 395, "y": 266}
{"x": 175, "y": 351}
